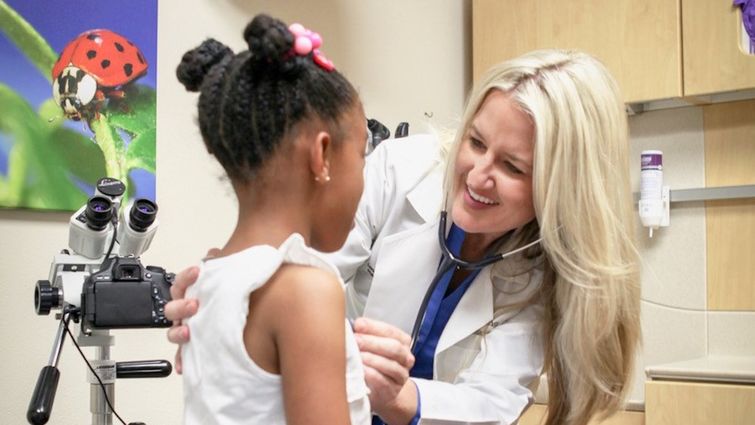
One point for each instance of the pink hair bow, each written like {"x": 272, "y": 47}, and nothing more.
{"x": 306, "y": 41}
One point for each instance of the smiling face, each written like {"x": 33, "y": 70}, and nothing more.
{"x": 493, "y": 170}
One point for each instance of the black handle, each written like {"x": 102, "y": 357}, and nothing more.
{"x": 143, "y": 369}
{"x": 40, "y": 405}
{"x": 402, "y": 130}
{"x": 379, "y": 132}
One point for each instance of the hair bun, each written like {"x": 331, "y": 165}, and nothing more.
{"x": 269, "y": 40}
{"x": 196, "y": 63}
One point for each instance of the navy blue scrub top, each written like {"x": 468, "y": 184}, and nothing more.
{"x": 439, "y": 310}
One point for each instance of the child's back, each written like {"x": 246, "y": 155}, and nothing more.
{"x": 271, "y": 343}
{"x": 222, "y": 384}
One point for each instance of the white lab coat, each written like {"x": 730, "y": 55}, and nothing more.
{"x": 485, "y": 367}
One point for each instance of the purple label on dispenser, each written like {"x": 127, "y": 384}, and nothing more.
{"x": 652, "y": 161}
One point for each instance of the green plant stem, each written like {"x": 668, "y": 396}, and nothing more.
{"x": 112, "y": 147}
{"x": 27, "y": 39}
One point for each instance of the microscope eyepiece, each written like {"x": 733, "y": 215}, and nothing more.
{"x": 99, "y": 212}
{"x": 142, "y": 214}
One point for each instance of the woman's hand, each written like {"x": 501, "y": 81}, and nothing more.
{"x": 179, "y": 309}
{"x": 387, "y": 358}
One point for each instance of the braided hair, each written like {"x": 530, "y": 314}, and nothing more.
{"x": 249, "y": 102}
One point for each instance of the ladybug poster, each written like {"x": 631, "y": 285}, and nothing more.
{"x": 77, "y": 100}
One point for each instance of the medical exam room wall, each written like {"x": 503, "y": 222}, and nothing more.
{"x": 409, "y": 60}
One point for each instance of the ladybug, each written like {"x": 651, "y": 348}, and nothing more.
{"x": 92, "y": 68}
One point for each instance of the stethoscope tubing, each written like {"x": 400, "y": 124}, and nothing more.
{"x": 448, "y": 262}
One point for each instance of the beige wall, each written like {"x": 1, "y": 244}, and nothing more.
{"x": 406, "y": 59}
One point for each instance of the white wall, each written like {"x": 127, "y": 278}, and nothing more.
{"x": 407, "y": 58}
{"x": 673, "y": 261}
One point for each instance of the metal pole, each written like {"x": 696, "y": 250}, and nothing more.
{"x": 105, "y": 369}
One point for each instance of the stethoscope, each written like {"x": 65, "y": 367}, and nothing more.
{"x": 449, "y": 261}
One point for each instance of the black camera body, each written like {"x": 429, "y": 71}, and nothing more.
{"x": 124, "y": 294}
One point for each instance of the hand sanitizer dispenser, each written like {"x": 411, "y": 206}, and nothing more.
{"x": 654, "y": 196}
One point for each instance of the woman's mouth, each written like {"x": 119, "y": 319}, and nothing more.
{"x": 478, "y": 201}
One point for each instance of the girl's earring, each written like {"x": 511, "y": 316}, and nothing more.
{"x": 324, "y": 178}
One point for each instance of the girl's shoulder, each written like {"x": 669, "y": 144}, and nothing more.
{"x": 306, "y": 274}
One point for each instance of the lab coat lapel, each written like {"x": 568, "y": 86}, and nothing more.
{"x": 408, "y": 260}
{"x": 402, "y": 275}
{"x": 474, "y": 310}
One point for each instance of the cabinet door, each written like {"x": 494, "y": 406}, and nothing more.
{"x": 672, "y": 403}
{"x": 713, "y": 58}
{"x": 638, "y": 40}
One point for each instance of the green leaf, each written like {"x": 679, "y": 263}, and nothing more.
{"x": 79, "y": 155}
{"x": 141, "y": 151}
{"x": 27, "y": 39}
{"x": 136, "y": 113}
{"x": 51, "y": 113}
{"x": 37, "y": 175}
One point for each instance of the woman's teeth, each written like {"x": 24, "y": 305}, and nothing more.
{"x": 480, "y": 198}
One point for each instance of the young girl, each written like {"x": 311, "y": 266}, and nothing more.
{"x": 270, "y": 344}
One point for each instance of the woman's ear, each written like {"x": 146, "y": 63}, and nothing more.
{"x": 319, "y": 156}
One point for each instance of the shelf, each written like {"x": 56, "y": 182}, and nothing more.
{"x": 710, "y": 193}
{"x": 684, "y": 102}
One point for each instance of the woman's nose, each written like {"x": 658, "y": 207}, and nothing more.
{"x": 480, "y": 176}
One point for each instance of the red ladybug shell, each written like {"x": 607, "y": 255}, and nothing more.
{"x": 107, "y": 56}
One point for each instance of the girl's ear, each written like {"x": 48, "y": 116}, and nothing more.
{"x": 319, "y": 156}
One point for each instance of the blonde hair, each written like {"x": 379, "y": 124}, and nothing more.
{"x": 584, "y": 214}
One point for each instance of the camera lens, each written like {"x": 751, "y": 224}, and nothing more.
{"x": 98, "y": 212}
{"x": 142, "y": 214}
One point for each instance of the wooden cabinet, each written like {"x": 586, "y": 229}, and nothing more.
{"x": 691, "y": 403}
{"x": 640, "y": 41}
{"x": 713, "y": 60}
{"x": 729, "y": 130}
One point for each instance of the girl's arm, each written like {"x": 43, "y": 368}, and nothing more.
{"x": 305, "y": 311}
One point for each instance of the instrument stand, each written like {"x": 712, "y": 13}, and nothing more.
{"x": 108, "y": 371}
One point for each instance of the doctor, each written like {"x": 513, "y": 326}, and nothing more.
{"x": 540, "y": 163}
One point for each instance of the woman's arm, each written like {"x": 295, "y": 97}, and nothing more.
{"x": 304, "y": 307}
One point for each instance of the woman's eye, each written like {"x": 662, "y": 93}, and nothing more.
{"x": 476, "y": 143}
{"x": 511, "y": 167}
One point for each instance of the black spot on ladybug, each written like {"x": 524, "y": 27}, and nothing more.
{"x": 128, "y": 69}
{"x": 119, "y": 47}
{"x": 140, "y": 57}
{"x": 105, "y": 63}
{"x": 91, "y": 54}
{"x": 93, "y": 36}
